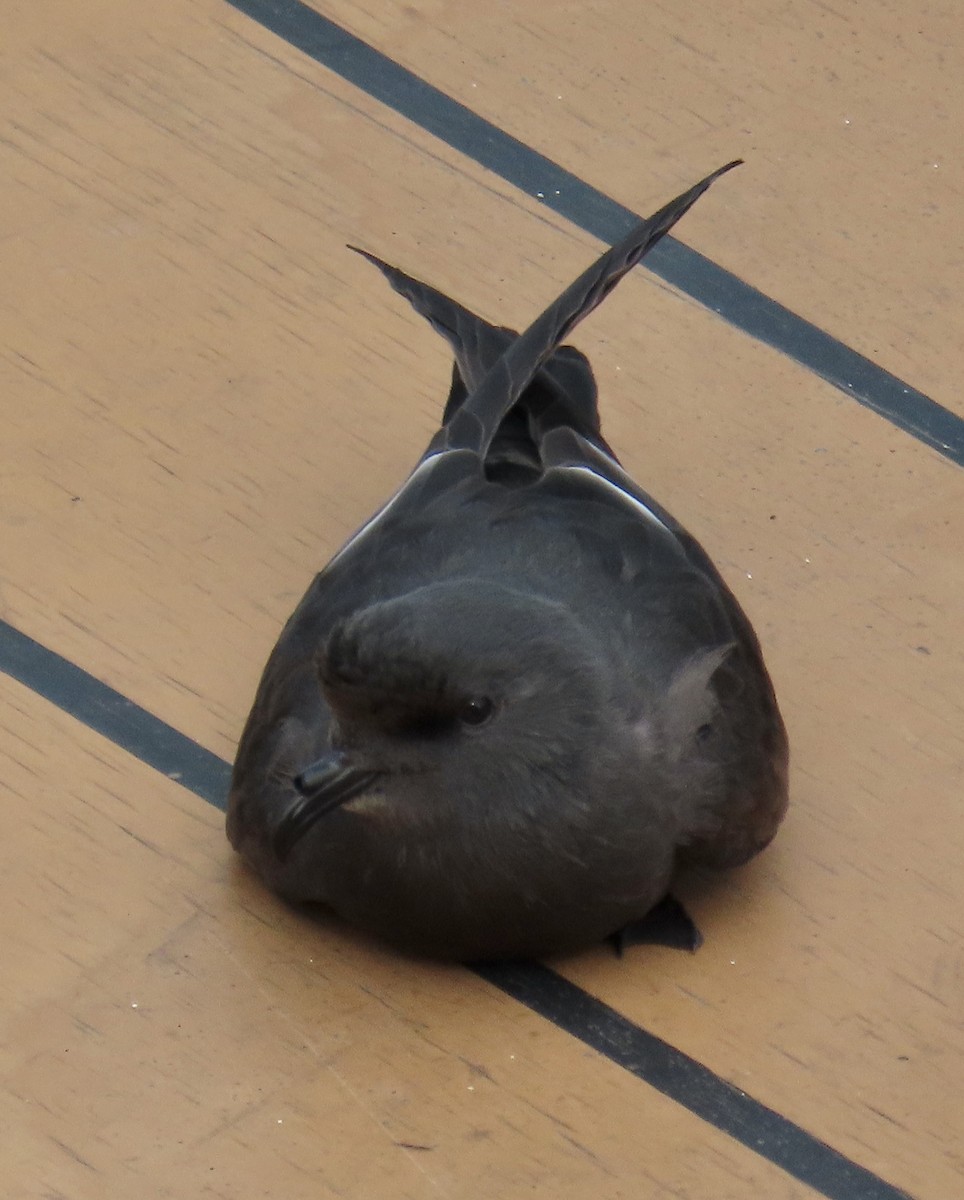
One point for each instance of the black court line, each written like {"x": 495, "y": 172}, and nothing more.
{"x": 649, "y": 1058}
{"x": 699, "y": 277}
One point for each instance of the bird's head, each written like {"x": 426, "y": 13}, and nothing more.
{"x": 462, "y": 700}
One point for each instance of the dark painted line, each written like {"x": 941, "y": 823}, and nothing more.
{"x": 737, "y": 302}
{"x": 120, "y": 720}
{"x": 594, "y": 1023}
{"x": 688, "y": 1082}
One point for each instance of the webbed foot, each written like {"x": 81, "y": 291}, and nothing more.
{"x": 666, "y": 924}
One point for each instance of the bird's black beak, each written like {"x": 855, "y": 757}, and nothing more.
{"x": 322, "y": 787}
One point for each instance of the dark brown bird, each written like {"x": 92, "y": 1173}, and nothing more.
{"x": 521, "y": 697}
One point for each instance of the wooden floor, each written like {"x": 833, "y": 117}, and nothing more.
{"x": 204, "y": 393}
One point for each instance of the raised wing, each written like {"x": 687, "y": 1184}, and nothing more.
{"x": 477, "y": 421}
{"x": 495, "y": 367}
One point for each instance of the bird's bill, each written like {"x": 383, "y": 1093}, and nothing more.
{"x": 323, "y": 786}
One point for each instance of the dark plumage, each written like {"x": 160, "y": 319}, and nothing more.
{"x": 520, "y": 697}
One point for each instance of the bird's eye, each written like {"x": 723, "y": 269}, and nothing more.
{"x": 476, "y": 711}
